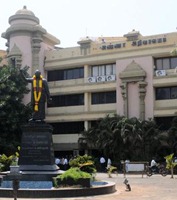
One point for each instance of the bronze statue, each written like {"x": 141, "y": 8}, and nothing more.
{"x": 39, "y": 94}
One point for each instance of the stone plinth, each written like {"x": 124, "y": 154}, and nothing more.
{"x": 37, "y": 153}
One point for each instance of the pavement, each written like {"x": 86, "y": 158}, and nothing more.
{"x": 142, "y": 188}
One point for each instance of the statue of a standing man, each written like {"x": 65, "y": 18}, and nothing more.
{"x": 39, "y": 94}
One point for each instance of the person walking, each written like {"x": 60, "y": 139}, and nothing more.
{"x": 109, "y": 163}
{"x": 102, "y": 164}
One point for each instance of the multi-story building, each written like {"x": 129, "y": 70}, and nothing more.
{"x": 132, "y": 75}
{"x": 2, "y": 58}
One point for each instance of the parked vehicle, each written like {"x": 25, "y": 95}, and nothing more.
{"x": 159, "y": 169}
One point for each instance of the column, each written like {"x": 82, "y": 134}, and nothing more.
{"x": 86, "y": 102}
{"x": 36, "y": 46}
{"x": 123, "y": 86}
{"x": 142, "y": 94}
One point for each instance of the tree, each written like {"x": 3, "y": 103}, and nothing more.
{"x": 105, "y": 137}
{"x": 170, "y": 164}
{"x": 172, "y": 136}
{"x": 13, "y": 112}
{"x": 139, "y": 137}
{"x": 122, "y": 138}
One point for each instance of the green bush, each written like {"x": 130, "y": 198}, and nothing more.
{"x": 73, "y": 173}
{"x": 85, "y": 163}
{"x": 73, "y": 176}
{"x": 6, "y": 161}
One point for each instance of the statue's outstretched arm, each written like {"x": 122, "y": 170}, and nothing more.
{"x": 24, "y": 77}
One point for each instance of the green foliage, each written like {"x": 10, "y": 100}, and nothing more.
{"x": 172, "y": 132}
{"x": 73, "y": 176}
{"x": 85, "y": 163}
{"x": 169, "y": 161}
{"x": 13, "y": 112}
{"x": 74, "y": 173}
{"x": 122, "y": 138}
{"x": 6, "y": 161}
{"x": 110, "y": 170}
{"x": 170, "y": 164}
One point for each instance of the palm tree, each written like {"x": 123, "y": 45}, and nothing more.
{"x": 123, "y": 138}
{"x": 172, "y": 136}
{"x": 150, "y": 141}
{"x": 170, "y": 164}
{"x": 105, "y": 136}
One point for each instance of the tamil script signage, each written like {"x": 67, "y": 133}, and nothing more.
{"x": 134, "y": 43}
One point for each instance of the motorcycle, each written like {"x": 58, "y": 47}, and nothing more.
{"x": 159, "y": 169}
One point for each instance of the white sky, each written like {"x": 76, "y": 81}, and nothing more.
{"x": 70, "y": 20}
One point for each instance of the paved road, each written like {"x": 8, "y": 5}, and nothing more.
{"x": 147, "y": 188}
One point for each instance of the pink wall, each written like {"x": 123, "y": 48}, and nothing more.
{"x": 146, "y": 63}
{"x": 133, "y": 100}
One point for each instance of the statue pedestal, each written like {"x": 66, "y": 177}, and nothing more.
{"x": 37, "y": 153}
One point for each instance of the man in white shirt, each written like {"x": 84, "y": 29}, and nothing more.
{"x": 102, "y": 163}
{"x": 153, "y": 164}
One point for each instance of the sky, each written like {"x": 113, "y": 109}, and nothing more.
{"x": 71, "y": 20}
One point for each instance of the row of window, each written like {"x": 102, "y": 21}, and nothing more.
{"x": 166, "y": 93}
{"x": 67, "y": 127}
{"x": 106, "y": 97}
{"x": 103, "y": 70}
{"x": 78, "y": 99}
{"x": 75, "y": 73}
{"x": 65, "y": 74}
{"x": 166, "y": 63}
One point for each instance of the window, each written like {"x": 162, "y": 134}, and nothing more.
{"x": 166, "y": 63}
{"x": 164, "y": 123}
{"x": 67, "y": 100}
{"x": 67, "y": 127}
{"x": 102, "y": 70}
{"x": 104, "y": 97}
{"x": 166, "y": 93}
{"x": 66, "y": 74}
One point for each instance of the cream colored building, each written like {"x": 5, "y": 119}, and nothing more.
{"x": 3, "y": 58}
{"x": 132, "y": 75}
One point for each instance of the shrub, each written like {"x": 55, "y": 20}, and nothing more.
{"x": 85, "y": 163}
{"x": 72, "y": 175}
{"x": 6, "y": 161}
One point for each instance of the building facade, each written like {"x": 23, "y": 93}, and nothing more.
{"x": 132, "y": 76}
{"x": 3, "y": 58}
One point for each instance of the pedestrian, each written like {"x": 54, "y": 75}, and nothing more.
{"x": 57, "y": 161}
{"x": 102, "y": 164}
{"x": 109, "y": 163}
{"x": 65, "y": 164}
{"x": 154, "y": 165}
